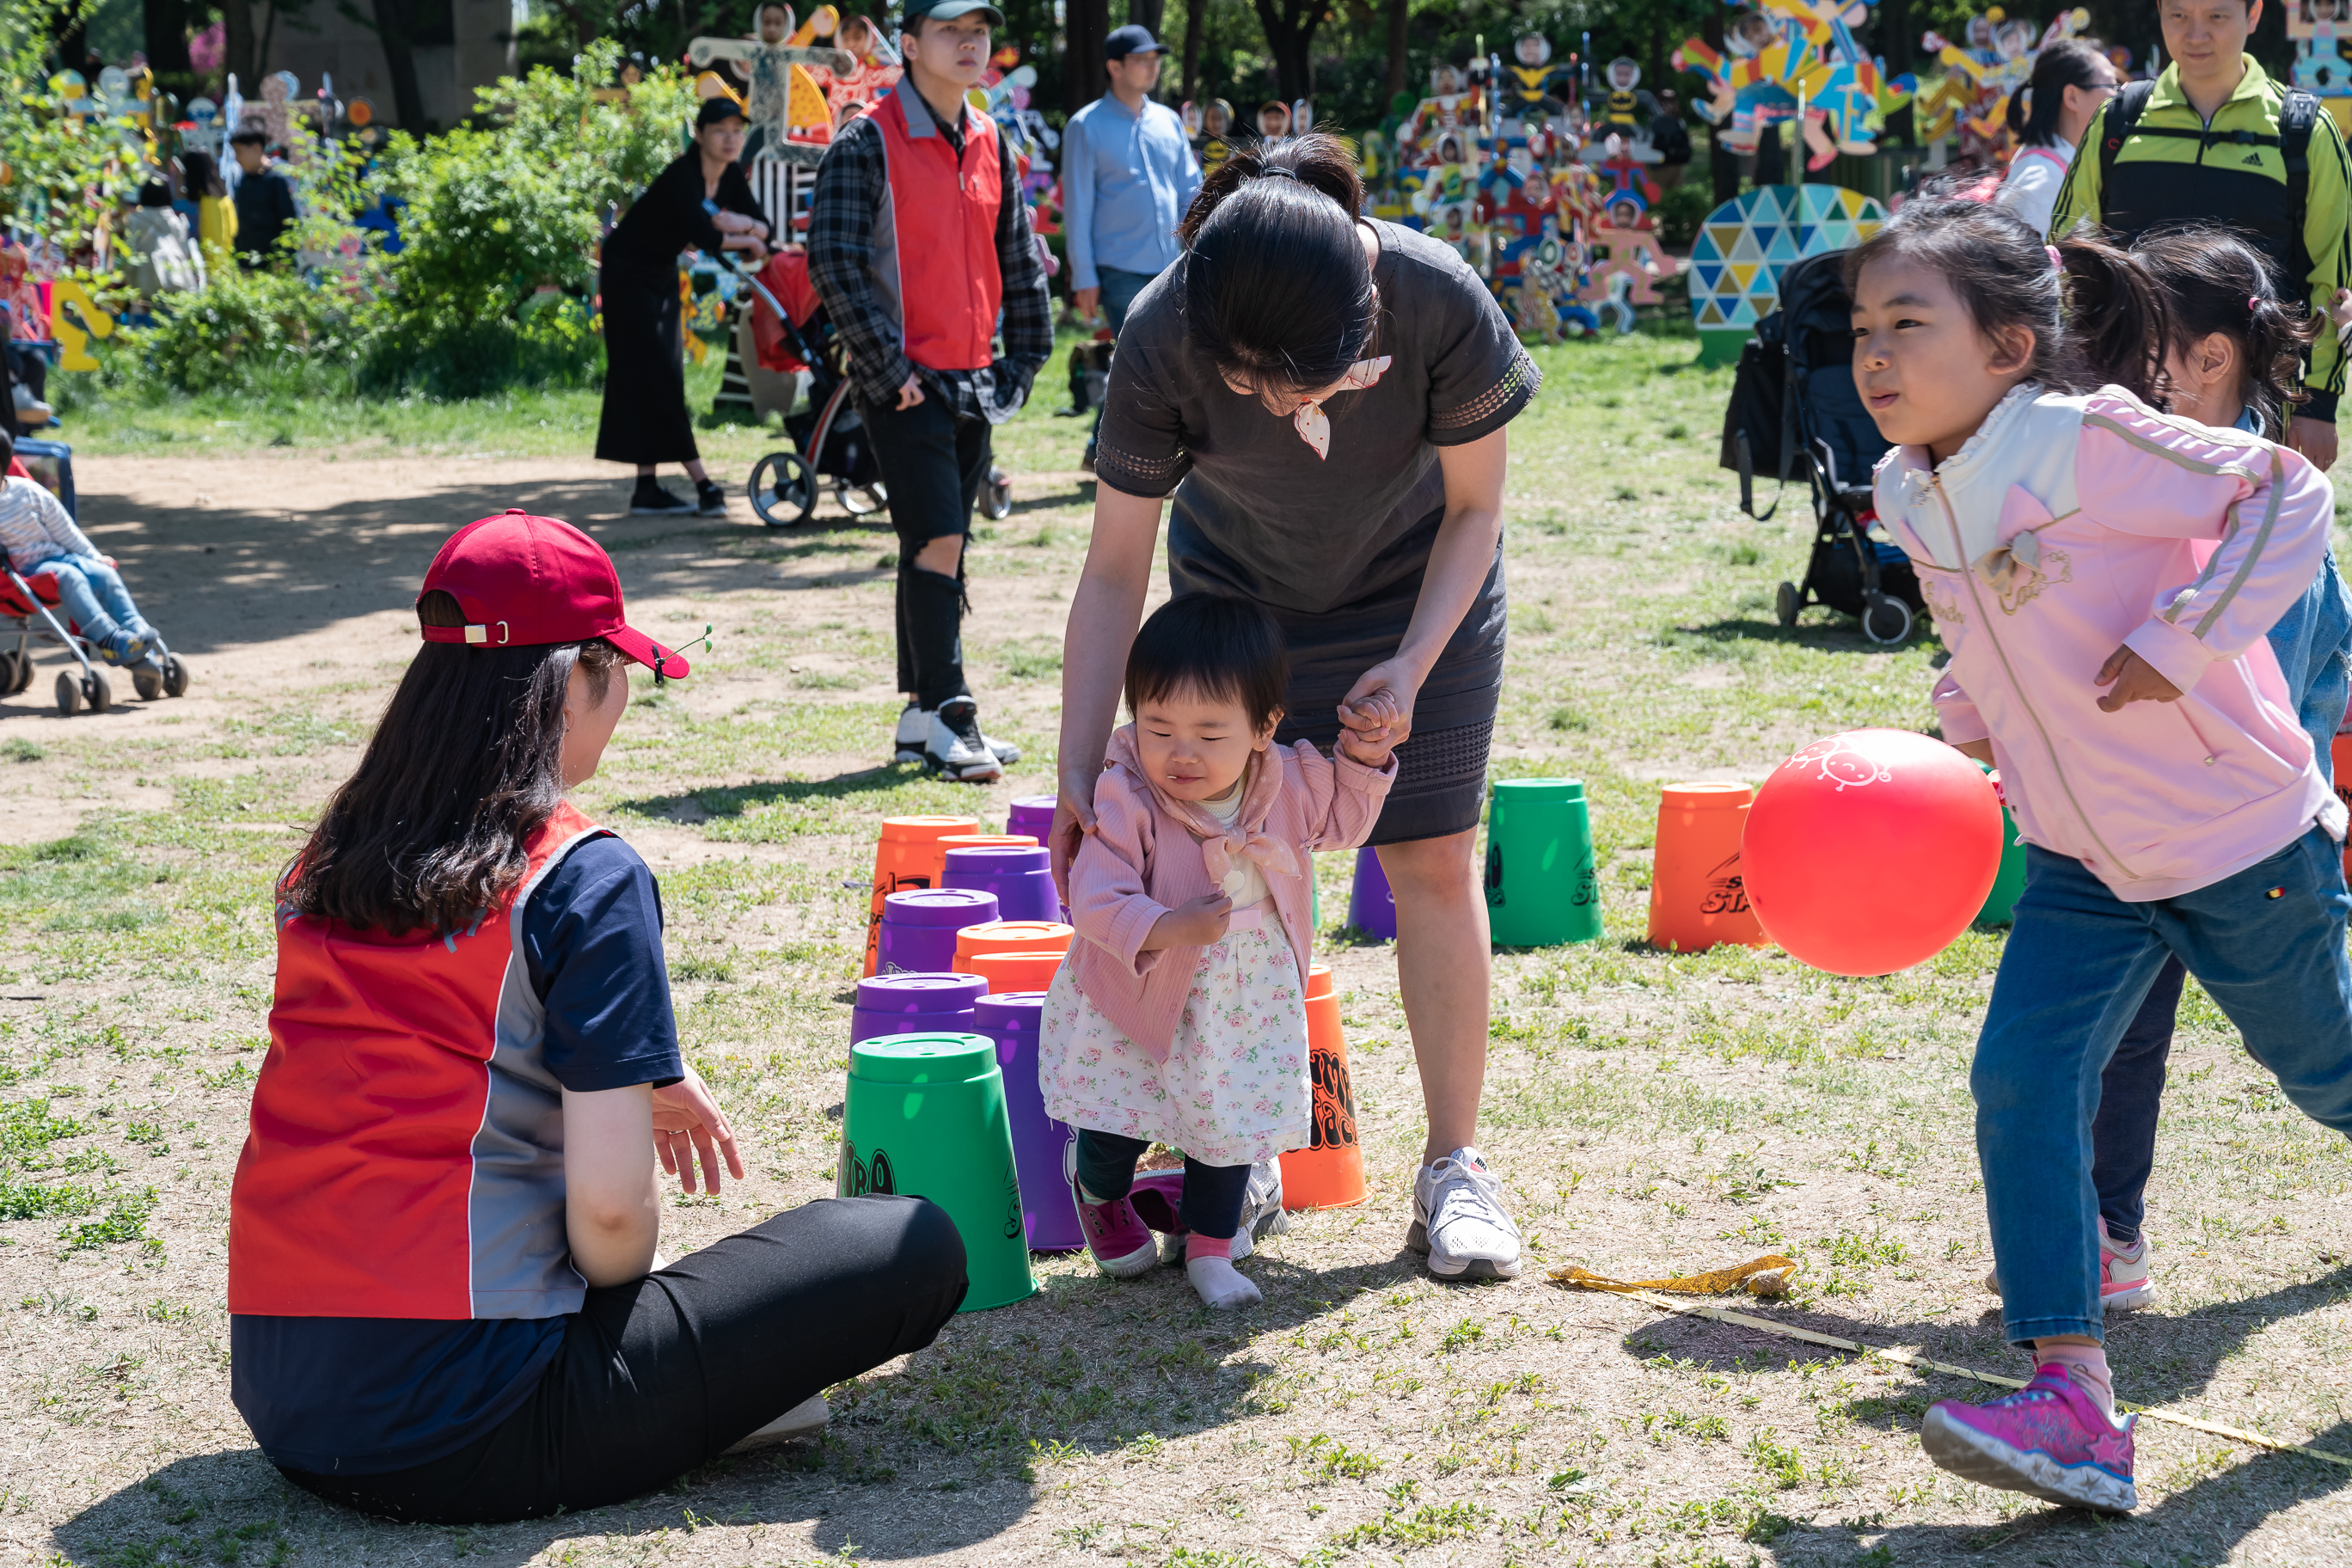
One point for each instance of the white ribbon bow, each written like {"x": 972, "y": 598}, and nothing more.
{"x": 1313, "y": 424}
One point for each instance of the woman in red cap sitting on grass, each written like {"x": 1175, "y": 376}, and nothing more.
{"x": 446, "y": 1304}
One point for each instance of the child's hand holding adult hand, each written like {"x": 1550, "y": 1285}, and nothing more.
{"x": 687, "y": 1121}
{"x": 1196, "y": 923}
{"x": 2133, "y": 680}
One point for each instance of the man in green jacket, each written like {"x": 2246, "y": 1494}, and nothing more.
{"x": 2206, "y": 148}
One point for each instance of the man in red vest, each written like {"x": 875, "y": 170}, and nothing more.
{"x": 918, "y": 243}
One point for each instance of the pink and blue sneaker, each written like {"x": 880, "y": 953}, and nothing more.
{"x": 2049, "y": 1438}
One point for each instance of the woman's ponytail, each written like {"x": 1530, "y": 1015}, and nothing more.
{"x": 1318, "y": 161}
{"x": 2117, "y": 323}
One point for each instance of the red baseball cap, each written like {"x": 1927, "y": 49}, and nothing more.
{"x": 520, "y": 579}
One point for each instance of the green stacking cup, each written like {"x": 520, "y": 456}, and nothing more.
{"x": 2011, "y": 880}
{"x": 1540, "y": 887}
{"x": 925, "y": 1116}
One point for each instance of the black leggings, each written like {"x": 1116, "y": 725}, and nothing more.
{"x": 660, "y": 1374}
{"x": 1214, "y": 1194}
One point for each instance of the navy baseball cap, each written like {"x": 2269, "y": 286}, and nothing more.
{"x": 947, "y": 11}
{"x": 1132, "y": 39}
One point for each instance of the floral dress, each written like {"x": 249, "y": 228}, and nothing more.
{"x": 1233, "y": 1090}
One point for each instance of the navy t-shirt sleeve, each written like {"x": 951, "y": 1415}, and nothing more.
{"x": 591, "y": 942}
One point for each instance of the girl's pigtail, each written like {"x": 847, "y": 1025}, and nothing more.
{"x": 2116, "y": 323}
{"x": 2275, "y": 339}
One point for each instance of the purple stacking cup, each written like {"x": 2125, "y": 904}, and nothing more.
{"x": 1371, "y": 906}
{"x": 919, "y": 927}
{"x": 914, "y": 1004}
{"x": 1047, "y": 1206}
{"x": 1032, "y": 815}
{"x": 1021, "y": 878}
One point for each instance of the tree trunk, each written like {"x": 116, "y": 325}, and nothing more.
{"x": 1084, "y": 28}
{"x": 1148, "y": 15}
{"x": 394, "y": 29}
{"x": 1195, "y": 19}
{"x": 1897, "y": 39}
{"x": 1399, "y": 17}
{"x": 1290, "y": 38}
{"x": 241, "y": 53}
{"x": 167, "y": 24}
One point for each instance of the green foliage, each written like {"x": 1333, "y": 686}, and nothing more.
{"x": 265, "y": 332}
{"x": 1683, "y": 208}
{"x": 511, "y": 205}
{"x": 63, "y": 170}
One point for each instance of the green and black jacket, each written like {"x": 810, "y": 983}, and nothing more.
{"x": 2175, "y": 169}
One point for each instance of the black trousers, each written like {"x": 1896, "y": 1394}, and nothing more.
{"x": 1213, "y": 1198}
{"x": 2123, "y": 1134}
{"x": 663, "y": 1373}
{"x": 933, "y": 462}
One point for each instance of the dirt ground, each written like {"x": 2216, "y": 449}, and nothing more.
{"x": 1651, "y": 1112}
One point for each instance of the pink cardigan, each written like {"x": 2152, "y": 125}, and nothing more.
{"x": 1148, "y": 854}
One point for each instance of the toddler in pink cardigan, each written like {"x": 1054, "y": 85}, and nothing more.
{"x": 1180, "y": 1016}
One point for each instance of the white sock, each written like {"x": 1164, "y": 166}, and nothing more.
{"x": 1220, "y": 1284}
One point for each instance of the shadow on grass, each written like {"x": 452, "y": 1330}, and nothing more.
{"x": 1842, "y": 634}
{"x": 726, "y": 801}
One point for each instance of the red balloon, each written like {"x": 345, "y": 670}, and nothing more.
{"x": 1868, "y": 852}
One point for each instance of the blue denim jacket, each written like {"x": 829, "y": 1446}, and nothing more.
{"x": 2313, "y": 643}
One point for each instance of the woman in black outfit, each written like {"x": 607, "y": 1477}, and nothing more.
{"x": 701, "y": 201}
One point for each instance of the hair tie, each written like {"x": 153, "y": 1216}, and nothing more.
{"x": 2052, "y": 252}
{"x": 1276, "y": 171}
{"x": 2255, "y": 303}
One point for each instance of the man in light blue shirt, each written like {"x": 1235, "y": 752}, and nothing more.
{"x": 1127, "y": 174}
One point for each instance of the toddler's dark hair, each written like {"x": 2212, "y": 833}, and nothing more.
{"x": 2215, "y": 282}
{"x": 1225, "y": 649}
{"x": 2098, "y": 318}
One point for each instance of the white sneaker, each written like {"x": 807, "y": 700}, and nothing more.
{"x": 1458, "y": 1222}
{"x": 955, "y": 747}
{"x": 809, "y": 1415}
{"x": 915, "y": 734}
{"x": 29, "y": 407}
{"x": 1262, "y": 1215}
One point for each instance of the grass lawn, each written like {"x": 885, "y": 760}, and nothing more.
{"x": 1653, "y": 1113}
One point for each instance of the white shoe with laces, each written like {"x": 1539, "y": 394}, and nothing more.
{"x": 1458, "y": 1220}
{"x": 1262, "y": 1215}
{"x": 915, "y": 733}
{"x": 955, "y": 746}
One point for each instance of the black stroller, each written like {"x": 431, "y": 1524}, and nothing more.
{"x": 1794, "y": 410}
{"x": 830, "y": 441}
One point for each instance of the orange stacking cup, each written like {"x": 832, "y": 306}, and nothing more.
{"x": 2341, "y": 753}
{"x": 1009, "y": 936}
{"x": 1005, "y": 972}
{"x": 1697, "y": 897}
{"x": 909, "y": 856}
{"x": 1329, "y": 1174}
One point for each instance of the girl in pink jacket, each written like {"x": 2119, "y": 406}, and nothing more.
{"x": 1180, "y": 1016}
{"x": 2103, "y": 576}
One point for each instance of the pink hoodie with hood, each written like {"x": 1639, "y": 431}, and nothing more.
{"x": 1148, "y": 853}
{"x": 2070, "y": 524}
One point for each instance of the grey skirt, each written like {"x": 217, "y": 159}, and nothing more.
{"x": 1441, "y": 769}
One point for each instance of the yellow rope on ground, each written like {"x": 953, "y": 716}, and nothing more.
{"x": 1747, "y": 1274}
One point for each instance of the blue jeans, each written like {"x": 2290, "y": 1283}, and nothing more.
{"x": 2313, "y": 643}
{"x": 2267, "y": 944}
{"x": 1118, "y": 292}
{"x": 92, "y": 594}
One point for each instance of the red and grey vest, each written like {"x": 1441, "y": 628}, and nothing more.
{"x": 405, "y": 1156}
{"x": 935, "y": 237}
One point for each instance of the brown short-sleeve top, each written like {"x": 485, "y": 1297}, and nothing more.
{"x": 1254, "y": 502}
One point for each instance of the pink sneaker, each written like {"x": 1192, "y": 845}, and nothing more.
{"x": 1122, "y": 1245}
{"x": 2124, "y": 1281}
{"x": 2048, "y": 1438}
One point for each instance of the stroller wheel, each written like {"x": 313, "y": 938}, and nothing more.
{"x": 24, "y": 672}
{"x": 148, "y": 681}
{"x": 69, "y": 694}
{"x": 996, "y": 498}
{"x": 7, "y": 672}
{"x": 96, "y": 692}
{"x": 783, "y": 490}
{"x": 1786, "y": 602}
{"x": 1885, "y": 620}
{"x": 861, "y": 501}
{"x": 176, "y": 676}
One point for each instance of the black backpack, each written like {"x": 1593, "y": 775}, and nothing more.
{"x": 2298, "y": 112}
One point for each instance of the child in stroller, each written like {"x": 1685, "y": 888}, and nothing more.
{"x": 51, "y": 561}
{"x": 791, "y": 333}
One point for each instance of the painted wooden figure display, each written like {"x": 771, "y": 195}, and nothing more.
{"x": 768, "y": 63}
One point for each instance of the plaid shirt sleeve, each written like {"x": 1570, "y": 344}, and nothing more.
{"x": 1028, "y": 309}
{"x": 849, "y": 193}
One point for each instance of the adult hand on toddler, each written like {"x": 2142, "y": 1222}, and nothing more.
{"x": 687, "y": 1121}
{"x": 1372, "y": 747}
{"x": 1378, "y": 708}
{"x": 1196, "y": 923}
{"x": 2135, "y": 680}
{"x": 1074, "y": 819}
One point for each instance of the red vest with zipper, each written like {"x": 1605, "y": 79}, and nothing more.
{"x": 935, "y": 237}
